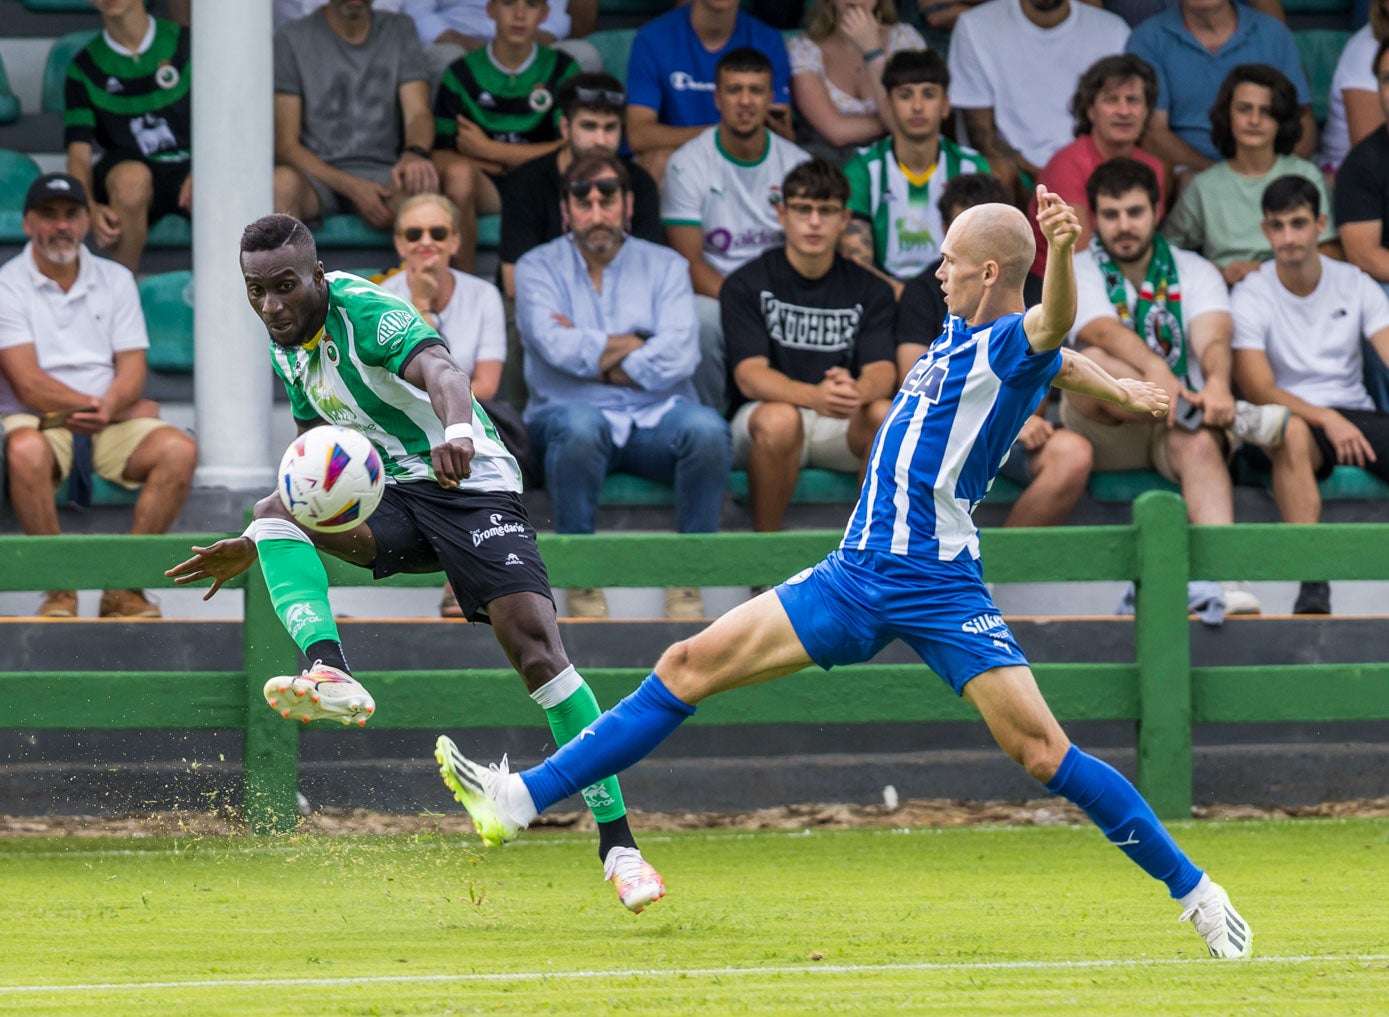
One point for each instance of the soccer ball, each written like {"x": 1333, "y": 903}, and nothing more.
{"x": 331, "y": 478}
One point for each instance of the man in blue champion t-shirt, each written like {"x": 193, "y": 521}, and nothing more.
{"x": 908, "y": 568}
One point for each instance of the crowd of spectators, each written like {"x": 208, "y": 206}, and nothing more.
{"x": 727, "y": 259}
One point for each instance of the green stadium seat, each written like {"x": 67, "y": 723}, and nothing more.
{"x": 1351, "y": 483}
{"x": 9, "y": 103}
{"x": 1319, "y": 49}
{"x": 17, "y": 172}
{"x": 104, "y": 493}
{"x": 1317, "y": 7}
{"x": 167, "y": 300}
{"x": 352, "y": 231}
{"x": 626, "y": 489}
{"x": 171, "y": 231}
{"x": 60, "y": 6}
{"x": 650, "y": 8}
{"x": 55, "y": 71}
{"x": 814, "y": 487}
{"x": 614, "y": 45}
{"x": 1124, "y": 486}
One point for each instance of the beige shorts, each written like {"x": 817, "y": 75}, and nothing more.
{"x": 112, "y": 446}
{"x": 825, "y": 445}
{"x": 1136, "y": 445}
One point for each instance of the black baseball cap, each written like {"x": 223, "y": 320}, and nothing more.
{"x": 54, "y": 185}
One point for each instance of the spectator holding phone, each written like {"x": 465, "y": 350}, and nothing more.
{"x": 72, "y": 368}
{"x": 1148, "y": 310}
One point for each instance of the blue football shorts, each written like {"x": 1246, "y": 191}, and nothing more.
{"x": 854, "y": 603}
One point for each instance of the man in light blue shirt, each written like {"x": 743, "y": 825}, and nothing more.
{"x": 608, "y": 326}
{"x": 1192, "y": 48}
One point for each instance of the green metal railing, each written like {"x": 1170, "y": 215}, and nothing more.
{"x": 1159, "y": 691}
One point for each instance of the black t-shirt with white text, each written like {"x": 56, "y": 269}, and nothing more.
{"x": 805, "y": 326}
{"x": 921, "y": 311}
{"x": 1362, "y": 184}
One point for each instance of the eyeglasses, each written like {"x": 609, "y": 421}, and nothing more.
{"x": 805, "y": 209}
{"x": 607, "y": 187}
{"x": 438, "y": 234}
{"x": 594, "y": 96}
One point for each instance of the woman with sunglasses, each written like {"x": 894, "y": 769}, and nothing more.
{"x": 465, "y": 310}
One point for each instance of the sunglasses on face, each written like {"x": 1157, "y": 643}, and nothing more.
{"x": 593, "y": 96}
{"x": 412, "y": 234}
{"x": 607, "y": 187}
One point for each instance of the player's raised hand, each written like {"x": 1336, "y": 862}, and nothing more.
{"x": 224, "y": 560}
{"x": 453, "y": 461}
{"x": 1057, "y": 220}
{"x": 1143, "y": 397}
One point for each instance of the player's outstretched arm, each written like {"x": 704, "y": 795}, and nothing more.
{"x": 220, "y": 562}
{"x": 1048, "y": 324}
{"x": 451, "y": 395}
{"x": 1083, "y": 376}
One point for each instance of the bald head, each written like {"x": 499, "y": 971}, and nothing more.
{"x": 999, "y": 233}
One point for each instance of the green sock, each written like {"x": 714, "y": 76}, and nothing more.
{"x": 298, "y": 589}
{"x": 570, "y": 707}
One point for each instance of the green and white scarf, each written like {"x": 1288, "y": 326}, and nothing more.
{"x": 1158, "y": 316}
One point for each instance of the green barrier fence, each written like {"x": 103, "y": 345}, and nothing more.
{"x": 1159, "y": 691}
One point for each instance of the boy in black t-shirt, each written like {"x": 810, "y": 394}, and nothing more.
{"x": 1362, "y": 190}
{"x": 808, "y": 336}
{"x": 591, "y": 108}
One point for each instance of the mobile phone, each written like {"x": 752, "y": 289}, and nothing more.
{"x": 1188, "y": 416}
{"x": 57, "y": 418}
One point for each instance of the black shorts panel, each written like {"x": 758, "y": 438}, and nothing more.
{"x": 168, "y": 181}
{"x": 481, "y": 540}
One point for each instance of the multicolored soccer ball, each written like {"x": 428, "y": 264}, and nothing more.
{"x": 331, "y": 478}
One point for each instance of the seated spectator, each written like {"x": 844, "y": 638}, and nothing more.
{"x": 450, "y": 28}
{"x": 895, "y": 185}
{"x": 72, "y": 369}
{"x": 127, "y": 94}
{"x": 1193, "y": 48}
{"x": 1013, "y": 63}
{"x": 1146, "y": 309}
{"x": 1300, "y": 322}
{"x": 837, "y": 69}
{"x": 1137, "y": 11}
{"x": 1362, "y": 191}
{"x": 809, "y": 346}
{"x": 590, "y": 120}
{"x": 1050, "y": 463}
{"x": 290, "y": 10}
{"x": 1255, "y": 124}
{"x": 671, "y": 76}
{"x": 719, "y": 201}
{"x": 1111, "y": 108}
{"x": 495, "y": 110}
{"x": 1353, "y": 109}
{"x": 466, "y": 312}
{"x": 609, "y": 330}
{"x": 353, "y": 129}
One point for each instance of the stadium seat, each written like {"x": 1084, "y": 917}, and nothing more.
{"x": 1124, "y": 486}
{"x": 352, "y": 231}
{"x": 55, "y": 71}
{"x": 167, "y": 300}
{"x": 104, "y": 493}
{"x": 17, "y": 171}
{"x": 813, "y": 487}
{"x": 1317, "y": 7}
{"x": 649, "y": 8}
{"x": 171, "y": 231}
{"x": 614, "y": 45}
{"x": 1351, "y": 483}
{"x": 60, "y": 6}
{"x": 9, "y": 103}
{"x": 1319, "y": 49}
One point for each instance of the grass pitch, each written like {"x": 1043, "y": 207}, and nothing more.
{"x": 978, "y": 921}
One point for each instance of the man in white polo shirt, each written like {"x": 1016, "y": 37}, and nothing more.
{"x": 719, "y": 200}
{"x": 72, "y": 368}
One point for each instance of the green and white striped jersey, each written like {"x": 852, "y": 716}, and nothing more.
{"x": 350, "y": 375}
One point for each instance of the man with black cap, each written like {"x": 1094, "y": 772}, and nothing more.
{"x": 72, "y": 367}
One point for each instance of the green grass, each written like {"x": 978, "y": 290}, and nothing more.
{"x": 978, "y": 921}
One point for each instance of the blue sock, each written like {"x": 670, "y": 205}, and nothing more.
{"x": 1116, "y": 807}
{"x": 622, "y": 736}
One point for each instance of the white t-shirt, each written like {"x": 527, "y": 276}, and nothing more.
{"x": 1201, "y": 287}
{"x": 1000, "y": 60}
{"x": 76, "y": 335}
{"x": 734, "y": 203}
{"x": 288, "y": 10}
{"x": 1313, "y": 342}
{"x": 472, "y": 322}
{"x": 1352, "y": 71}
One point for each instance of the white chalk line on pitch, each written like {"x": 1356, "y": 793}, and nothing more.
{"x": 674, "y": 973}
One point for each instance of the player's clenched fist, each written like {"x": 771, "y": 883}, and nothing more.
{"x": 1057, "y": 220}
{"x": 453, "y": 461}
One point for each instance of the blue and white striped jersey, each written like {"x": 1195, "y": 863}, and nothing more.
{"x": 945, "y": 437}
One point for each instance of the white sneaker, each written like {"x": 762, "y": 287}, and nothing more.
{"x": 1240, "y": 599}
{"x": 1260, "y": 425}
{"x": 638, "y": 884}
{"x": 1227, "y": 935}
{"x": 323, "y": 692}
{"x": 480, "y": 790}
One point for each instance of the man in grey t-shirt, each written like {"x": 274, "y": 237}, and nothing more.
{"x": 350, "y": 83}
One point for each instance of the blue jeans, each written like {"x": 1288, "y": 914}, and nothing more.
{"x": 689, "y": 447}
